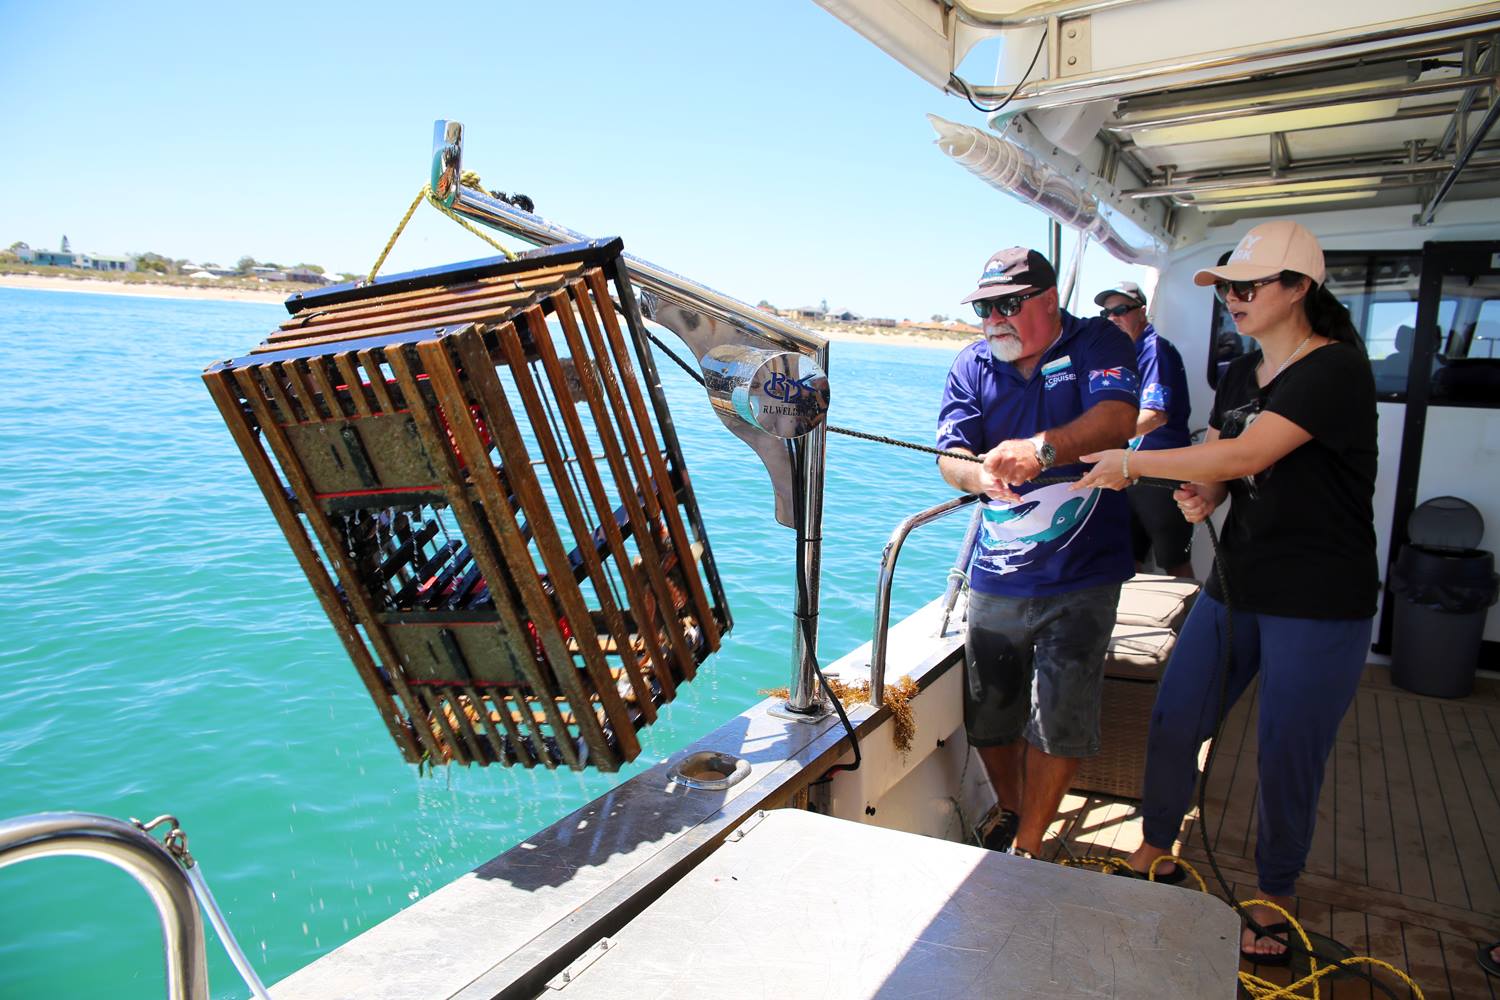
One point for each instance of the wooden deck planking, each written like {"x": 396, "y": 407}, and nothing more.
{"x": 1407, "y": 869}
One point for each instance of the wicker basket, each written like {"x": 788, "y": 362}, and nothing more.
{"x": 1120, "y": 766}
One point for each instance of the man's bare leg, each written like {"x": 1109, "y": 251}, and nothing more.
{"x": 1047, "y": 781}
{"x": 1003, "y": 765}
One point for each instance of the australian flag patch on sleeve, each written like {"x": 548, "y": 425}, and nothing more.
{"x": 1111, "y": 380}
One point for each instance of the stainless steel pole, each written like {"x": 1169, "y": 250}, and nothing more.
{"x": 86, "y": 835}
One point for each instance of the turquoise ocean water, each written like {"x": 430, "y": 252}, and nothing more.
{"x": 160, "y": 651}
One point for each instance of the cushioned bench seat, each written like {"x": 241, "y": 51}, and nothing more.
{"x": 1152, "y": 610}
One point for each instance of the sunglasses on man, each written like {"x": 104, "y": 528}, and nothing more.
{"x": 1119, "y": 310}
{"x": 1243, "y": 290}
{"x": 1005, "y": 305}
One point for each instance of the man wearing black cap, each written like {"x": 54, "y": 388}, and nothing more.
{"x": 1156, "y": 525}
{"x": 1043, "y": 388}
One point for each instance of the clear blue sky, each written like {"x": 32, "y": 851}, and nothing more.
{"x": 762, "y": 148}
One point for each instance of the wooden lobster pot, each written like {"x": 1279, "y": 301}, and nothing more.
{"x": 489, "y": 501}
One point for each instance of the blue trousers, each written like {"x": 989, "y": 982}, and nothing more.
{"x": 1309, "y": 669}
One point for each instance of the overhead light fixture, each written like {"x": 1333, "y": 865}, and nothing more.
{"x": 1224, "y": 119}
{"x": 1295, "y": 199}
{"x": 1276, "y": 121}
{"x": 1287, "y": 187}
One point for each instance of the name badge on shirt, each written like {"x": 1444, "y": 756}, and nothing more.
{"x": 1111, "y": 379}
{"x": 1057, "y": 371}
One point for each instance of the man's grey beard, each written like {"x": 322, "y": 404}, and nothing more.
{"x": 1005, "y": 347}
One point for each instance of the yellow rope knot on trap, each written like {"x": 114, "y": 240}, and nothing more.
{"x": 469, "y": 179}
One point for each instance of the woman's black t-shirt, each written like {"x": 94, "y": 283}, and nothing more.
{"x": 1300, "y": 537}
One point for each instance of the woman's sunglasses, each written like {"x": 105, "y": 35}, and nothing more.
{"x": 1243, "y": 290}
{"x": 1005, "y": 305}
{"x": 1119, "y": 310}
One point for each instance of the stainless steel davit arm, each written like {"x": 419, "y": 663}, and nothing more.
{"x": 86, "y": 835}
{"x": 766, "y": 379}
{"x": 888, "y": 576}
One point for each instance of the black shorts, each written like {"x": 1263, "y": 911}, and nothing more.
{"x": 1156, "y": 525}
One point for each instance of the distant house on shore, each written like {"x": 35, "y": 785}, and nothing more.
{"x": 809, "y": 312}
{"x": 67, "y": 258}
{"x": 103, "y": 262}
{"x": 306, "y": 276}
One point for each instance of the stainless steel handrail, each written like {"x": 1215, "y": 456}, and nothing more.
{"x": 87, "y": 835}
{"x": 887, "y": 576}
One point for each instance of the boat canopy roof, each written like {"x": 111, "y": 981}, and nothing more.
{"x": 1185, "y": 114}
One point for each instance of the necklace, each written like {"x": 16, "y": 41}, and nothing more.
{"x": 1289, "y": 359}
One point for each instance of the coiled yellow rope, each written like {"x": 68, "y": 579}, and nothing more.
{"x": 469, "y": 179}
{"x": 1254, "y": 985}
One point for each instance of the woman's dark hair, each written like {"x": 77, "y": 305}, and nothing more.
{"x": 1326, "y": 315}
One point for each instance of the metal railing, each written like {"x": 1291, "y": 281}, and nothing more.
{"x": 887, "y": 577}
{"x": 126, "y": 847}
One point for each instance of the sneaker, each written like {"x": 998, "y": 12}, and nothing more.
{"x": 1003, "y": 833}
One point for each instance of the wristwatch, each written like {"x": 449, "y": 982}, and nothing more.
{"x": 1045, "y": 453}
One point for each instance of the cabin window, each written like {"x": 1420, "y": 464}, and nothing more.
{"x": 1380, "y": 291}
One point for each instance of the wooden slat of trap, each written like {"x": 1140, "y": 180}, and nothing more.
{"x": 376, "y": 376}
{"x": 328, "y": 537}
{"x": 226, "y": 395}
{"x": 441, "y": 311}
{"x": 302, "y": 393}
{"x": 486, "y": 383}
{"x": 671, "y": 507}
{"x": 271, "y": 379}
{"x": 630, "y": 492}
{"x": 581, "y": 449}
{"x": 640, "y": 442}
{"x": 382, "y": 307}
{"x": 510, "y": 346}
{"x": 506, "y": 435}
{"x": 352, "y": 381}
{"x": 640, "y": 447}
{"x": 472, "y": 523}
{"x": 297, "y": 479}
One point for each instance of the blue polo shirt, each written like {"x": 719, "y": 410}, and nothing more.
{"x": 1055, "y": 540}
{"x": 1164, "y": 388}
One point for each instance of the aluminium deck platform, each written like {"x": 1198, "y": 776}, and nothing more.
{"x": 1404, "y": 861}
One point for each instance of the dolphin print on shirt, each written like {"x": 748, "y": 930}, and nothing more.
{"x": 1012, "y": 533}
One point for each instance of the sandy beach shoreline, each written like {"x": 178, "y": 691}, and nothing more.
{"x": 153, "y": 290}
{"x": 836, "y": 332}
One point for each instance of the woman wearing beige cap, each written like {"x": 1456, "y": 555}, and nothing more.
{"x": 1292, "y": 445}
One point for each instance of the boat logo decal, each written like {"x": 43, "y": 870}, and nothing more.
{"x": 789, "y": 390}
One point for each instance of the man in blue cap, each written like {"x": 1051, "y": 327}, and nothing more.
{"x": 1041, "y": 389}
{"x": 1156, "y": 525}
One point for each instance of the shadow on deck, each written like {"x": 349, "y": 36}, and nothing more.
{"x": 1403, "y": 865}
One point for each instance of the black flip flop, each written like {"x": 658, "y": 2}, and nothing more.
{"x": 1487, "y": 963}
{"x": 1176, "y": 876}
{"x": 1282, "y": 932}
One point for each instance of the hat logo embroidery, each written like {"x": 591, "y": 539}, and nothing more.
{"x": 1242, "y": 252}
